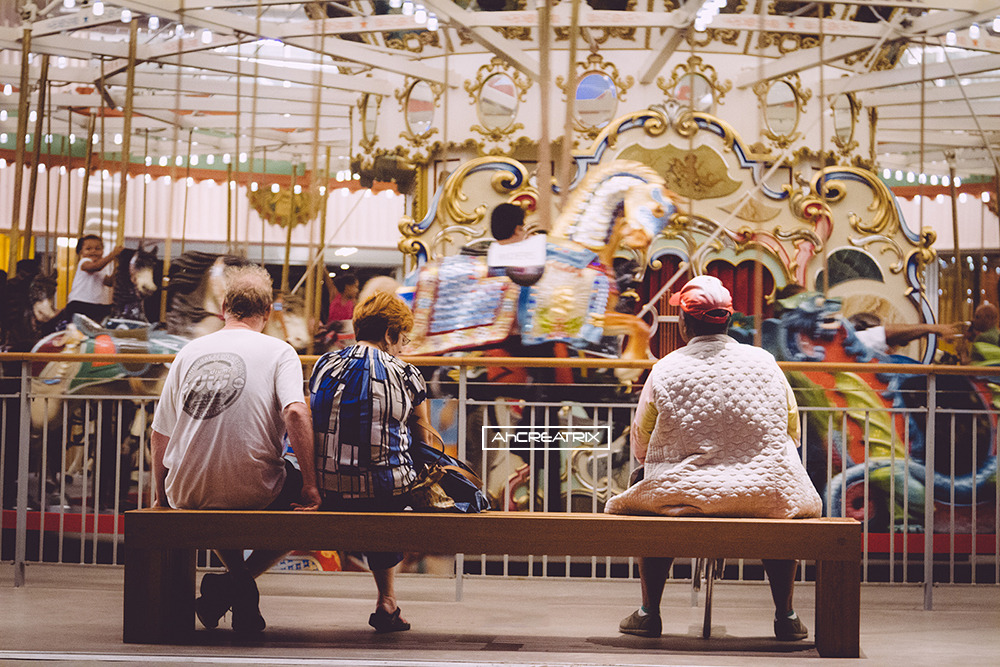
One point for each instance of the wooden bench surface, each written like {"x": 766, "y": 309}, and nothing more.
{"x": 515, "y": 533}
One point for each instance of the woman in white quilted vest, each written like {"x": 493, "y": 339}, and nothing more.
{"x": 717, "y": 430}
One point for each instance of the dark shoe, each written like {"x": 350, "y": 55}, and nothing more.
{"x": 383, "y": 621}
{"x": 790, "y": 629}
{"x": 649, "y": 625}
{"x": 246, "y": 607}
{"x": 215, "y": 600}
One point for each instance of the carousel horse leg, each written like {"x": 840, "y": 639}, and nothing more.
{"x": 637, "y": 347}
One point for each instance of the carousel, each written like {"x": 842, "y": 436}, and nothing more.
{"x": 826, "y": 160}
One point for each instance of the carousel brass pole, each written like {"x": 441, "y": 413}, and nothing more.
{"x": 145, "y": 188}
{"x": 959, "y": 278}
{"x": 544, "y": 168}
{"x": 23, "y": 103}
{"x": 68, "y": 154}
{"x": 314, "y": 179}
{"x": 321, "y": 265}
{"x": 187, "y": 190}
{"x": 229, "y": 207}
{"x": 168, "y": 243}
{"x": 49, "y": 138}
{"x": 88, "y": 165}
{"x": 288, "y": 233}
{"x": 563, "y": 168}
{"x": 127, "y": 132}
{"x": 233, "y": 171}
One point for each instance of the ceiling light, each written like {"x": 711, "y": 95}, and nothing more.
{"x": 7, "y": 90}
{"x": 178, "y": 31}
{"x": 432, "y": 22}
{"x": 996, "y": 24}
{"x": 345, "y": 266}
{"x": 118, "y": 140}
{"x": 97, "y": 8}
{"x": 126, "y": 16}
{"x": 153, "y": 23}
{"x": 206, "y": 36}
{"x": 420, "y": 14}
{"x": 396, "y": 4}
{"x": 407, "y": 8}
{"x": 974, "y": 31}
{"x": 3, "y": 115}
{"x": 69, "y": 4}
{"x": 274, "y": 188}
{"x": 951, "y": 38}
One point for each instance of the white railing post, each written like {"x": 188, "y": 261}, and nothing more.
{"x": 24, "y": 442}
{"x": 929, "y": 444}
{"x": 463, "y": 404}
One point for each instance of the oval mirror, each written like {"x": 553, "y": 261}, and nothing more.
{"x": 782, "y": 111}
{"x": 497, "y": 106}
{"x": 420, "y": 108}
{"x": 596, "y": 99}
{"x": 370, "y": 109}
{"x": 695, "y": 92}
{"x": 843, "y": 118}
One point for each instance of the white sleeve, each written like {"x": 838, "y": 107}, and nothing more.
{"x": 288, "y": 381}
{"x": 165, "y": 417}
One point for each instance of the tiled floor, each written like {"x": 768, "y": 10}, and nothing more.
{"x": 72, "y": 615}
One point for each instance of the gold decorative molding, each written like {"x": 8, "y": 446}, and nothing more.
{"x": 924, "y": 254}
{"x": 889, "y": 246}
{"x": 700, "y": 173}
{"x": 799, "y": 97}
{"x": 418, "y": 139}
{"x": 595, "y": 64}
{"x": 284, "y": 207}
{"x": 368, "y": 143}
{"x": 521, "y": 83}
{"x": 696, "y": 67}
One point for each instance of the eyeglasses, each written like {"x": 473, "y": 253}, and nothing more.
{"x": 404, "y": 340}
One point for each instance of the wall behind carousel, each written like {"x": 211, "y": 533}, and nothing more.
{"x": 719, "y": 205}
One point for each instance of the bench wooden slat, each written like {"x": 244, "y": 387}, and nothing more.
{"x": 160, "y": 546}
{"x": 515, "y": 533}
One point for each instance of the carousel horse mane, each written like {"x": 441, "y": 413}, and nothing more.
{"x": 192, "y": 291}
{"x": 133, "y": 282}
{"x": 289, "y": 322}
{"x": 621, "y": 187}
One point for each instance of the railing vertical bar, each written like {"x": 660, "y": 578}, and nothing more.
{"x": 4, "y": 403}
{"x": 829, "y": 464}
{"x": 118, "y": 480}
{"x": 951, "y": 508}
{"x": 24, "y": 442}
{"x": 843, "y": 463}
{"x": 62, "y": 479}
{"x": 975, "y": 475}
{"x": 866, "y": 490}
{"x": 485, "y": 466}
{"x": 85, "y": 488}
{"x": 141, "y": 458}
{"x": 929, "y": 449}
{"x": 906, "y": 501}
{"x": 98, "y": 477}
{"x": 42, "y": 475}
{"x": 892, "y": 498}
{"x": 463, "y": 405}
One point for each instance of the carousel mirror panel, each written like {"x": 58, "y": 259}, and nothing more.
{"x": 596, "y": 99}
{"x": 420, "y": 108}
{"x": 497, "y": 103}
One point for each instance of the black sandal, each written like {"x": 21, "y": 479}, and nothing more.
{"x": 383, "y": 621}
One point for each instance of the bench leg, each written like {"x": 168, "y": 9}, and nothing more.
{"x": 838, "y": 609}
{"x": 159, "y": 595}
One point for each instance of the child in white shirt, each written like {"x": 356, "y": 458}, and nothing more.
{"x": 91, "y": 291}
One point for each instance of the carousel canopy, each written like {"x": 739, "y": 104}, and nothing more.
{"x": 284, "y": 81}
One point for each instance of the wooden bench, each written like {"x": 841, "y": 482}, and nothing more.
{"x": 160, "y": 546}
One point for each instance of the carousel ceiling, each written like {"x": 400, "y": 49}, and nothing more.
{"x": 227, "y": 77}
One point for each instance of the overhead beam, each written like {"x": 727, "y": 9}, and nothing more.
{"x": 457, "y": 17}
{"x": 915, "y": 74}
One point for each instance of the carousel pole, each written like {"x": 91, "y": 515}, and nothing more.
{"x": 127, "y": 132}
{"x": 288, "y": 233}
{"x": 68, "y": 155}
{"x": 100, "y": 156}
{"x": 145, "y": 188}
{"x": 314, "y": 180}
{"x": 229, "y": 207}
{"x": 233, "y": 171}
{"x": 320, "y": 268}
{"x": 563, "y": 168}
{"x": 544, "y": 168}
{"x": 88, "y": 165}
{"x": 23, "y": 103}
{"x": 253, "y": 130}
{"x": 48, "y": 181}
{"x": 187, "y": 191}
{"x": 168, "y": 243}
{"x": 962, "y": 309}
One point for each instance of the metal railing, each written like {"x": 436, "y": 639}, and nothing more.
{"x": 921, "y": 456}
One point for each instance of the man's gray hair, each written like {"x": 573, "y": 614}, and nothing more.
{"x": 248, "y": 291}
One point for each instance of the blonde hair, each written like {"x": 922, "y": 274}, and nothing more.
{"x": 248, "y": 291}
{"x": 381, "y": 314}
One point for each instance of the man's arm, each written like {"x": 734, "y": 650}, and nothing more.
{"x": 158, "y": 445}
{"x": 901, "y": 334}
{"x": 298, "y": 423}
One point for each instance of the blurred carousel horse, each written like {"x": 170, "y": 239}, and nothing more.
{"x": 459, "y": 304}
{"x": 134, "y": 281}
{"x": 29, "y": 303}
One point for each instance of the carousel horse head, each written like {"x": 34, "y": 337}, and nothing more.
{"x": 623, "y": 202}
{"x": 196, "y": 290}
{"x": 29, "y": 302}
{"x": 134, "y": 280}
{"x": 289, "y": 321}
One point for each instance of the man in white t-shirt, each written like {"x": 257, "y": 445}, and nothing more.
{"x": 227, "y": 402}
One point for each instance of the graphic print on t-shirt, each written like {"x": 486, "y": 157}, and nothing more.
{"x": 214, "y": 382}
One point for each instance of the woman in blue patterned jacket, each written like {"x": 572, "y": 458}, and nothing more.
{"x": 363, "y": 398}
